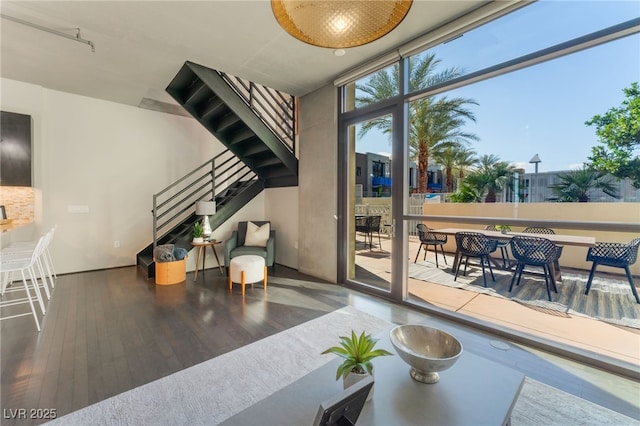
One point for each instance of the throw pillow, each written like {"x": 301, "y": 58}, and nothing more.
{"x": 257, "y": 235}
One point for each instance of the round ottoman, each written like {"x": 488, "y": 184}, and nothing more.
{"x": 247, "y": 269}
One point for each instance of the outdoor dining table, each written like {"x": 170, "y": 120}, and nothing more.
{"x": 560, "y": 239}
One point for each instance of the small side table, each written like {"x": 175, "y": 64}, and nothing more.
{"x": 202, "y": 253}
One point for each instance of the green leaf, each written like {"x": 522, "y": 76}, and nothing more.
{"x": 357, "y": 352}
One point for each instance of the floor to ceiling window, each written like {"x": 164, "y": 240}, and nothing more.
{"x": 499, "y": 128}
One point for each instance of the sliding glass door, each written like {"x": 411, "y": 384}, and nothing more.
{"x": 368, "y": 225}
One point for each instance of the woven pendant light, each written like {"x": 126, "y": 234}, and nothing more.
{"x": 339, "y": 24}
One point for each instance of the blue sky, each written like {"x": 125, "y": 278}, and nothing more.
{"x": 541, "y": 109}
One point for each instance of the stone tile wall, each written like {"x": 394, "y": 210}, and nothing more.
{"x": 19, "y": 205}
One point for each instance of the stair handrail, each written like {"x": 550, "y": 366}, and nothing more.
{"x": 276, "y": 109}
{"x": 176, "y": 202}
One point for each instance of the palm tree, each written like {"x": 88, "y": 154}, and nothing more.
{"x": 465, "y": 160}
{"x": 465, "y": 194}
{"x": 491, "y": 176}
{"x": 454, "y": 158}
{"x": 446, "y": 158}
{"x": 434, "y": 123}
{"x": 575, "y": 185}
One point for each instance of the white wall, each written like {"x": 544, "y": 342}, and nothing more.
{"x": 278, "y": 205}
{"x": 108, "y": 157}
{"x": 112, "y": 158}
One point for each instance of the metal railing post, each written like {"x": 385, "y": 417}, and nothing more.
{"x": 155, "y": 221}
{"x": 251, "y": 90}
{"x": 213, "y": 179}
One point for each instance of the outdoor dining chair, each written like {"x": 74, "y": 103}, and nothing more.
{"x": 502, "y": 245}
{"x": 368, "y": 225}
{"x": 543, "y": 230}
{"x": 474, "y": 244}
{"x": 538, "y": 230}
{"x": 616, "y": 255}
{"x": 430, "y": 238}
{"x": 535, "y": 251}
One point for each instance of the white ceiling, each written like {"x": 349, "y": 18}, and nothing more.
{"x": 141, "y": 45}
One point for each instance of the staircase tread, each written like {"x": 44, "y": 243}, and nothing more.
{"x": 213, "y": 105}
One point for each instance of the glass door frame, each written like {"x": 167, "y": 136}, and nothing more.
{"x": 399, "y": 181}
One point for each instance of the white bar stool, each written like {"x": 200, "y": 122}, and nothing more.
{"x": 24, "y": 251}
{"x": 18, "y": 263}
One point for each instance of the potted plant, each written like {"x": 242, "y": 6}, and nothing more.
{"x": 197, "y": 233}
{"x": 503, "y": 228}
{"x": 357, "y": 352}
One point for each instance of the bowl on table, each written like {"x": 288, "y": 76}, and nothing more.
{"x": 427, "y": 350}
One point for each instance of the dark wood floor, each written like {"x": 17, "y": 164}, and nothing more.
{"x": 109, "y": 331}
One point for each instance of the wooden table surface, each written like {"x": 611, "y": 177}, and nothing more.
{"x": 201, "y": 254}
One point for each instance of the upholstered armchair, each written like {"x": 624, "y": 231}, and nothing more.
{"x": 252, "y": 238}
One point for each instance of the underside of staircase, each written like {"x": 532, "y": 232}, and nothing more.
{"x": 211, "y": 100}
{"x": 205, "y": 94}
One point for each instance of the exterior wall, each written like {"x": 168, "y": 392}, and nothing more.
{"x": 378, "y": 185}
{"x": 362, "y": 178}
{"x": 571, "y": 256}
{"x": 536, "y": 187}
{"x": 318, "y": 128}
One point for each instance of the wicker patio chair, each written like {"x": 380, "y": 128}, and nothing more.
{"x": 361, "y": 226}
{"x": 502, "y": 245}
{"x": 430, "y": 238}
{"x": 474, "y": 244}
{"x": 543, "y": 230}
{"x": 368, "y": 225}
{"x": 539, "y": 230}
{"x": 535, "y": 251}
{"x": 374, "y": 226}
{"x": 617, "y": 255}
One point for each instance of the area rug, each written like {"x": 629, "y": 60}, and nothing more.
{"x": 609, "y": 299}
{"x": 215, "y": 390}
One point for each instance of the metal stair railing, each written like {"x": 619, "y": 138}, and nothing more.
{"x": 175, "y": 203}
{"x": 276, "y": 109}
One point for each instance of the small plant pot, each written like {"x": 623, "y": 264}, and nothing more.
{"x": 353, "y": 378}
{"x": 505, "y": 231}
{"x": 198, "y": 240}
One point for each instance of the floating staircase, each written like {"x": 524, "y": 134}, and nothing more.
{"x": 220, "y": 104}
{"x": 255, "y": 123}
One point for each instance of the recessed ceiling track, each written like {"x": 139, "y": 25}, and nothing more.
{"x": 75, "y": 37}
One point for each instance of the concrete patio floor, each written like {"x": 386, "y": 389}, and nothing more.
{"x": 619, "y": 342}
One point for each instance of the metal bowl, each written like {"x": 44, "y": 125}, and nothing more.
{"x": 426, "y": 349}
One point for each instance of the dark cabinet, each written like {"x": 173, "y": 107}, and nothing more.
{"x": 15, "y": 149}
